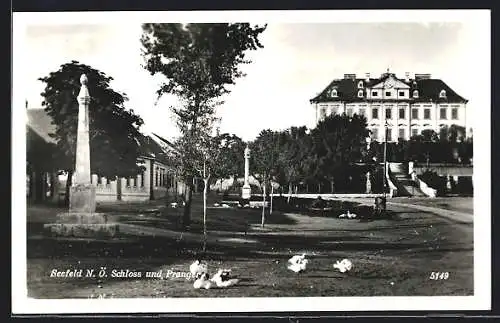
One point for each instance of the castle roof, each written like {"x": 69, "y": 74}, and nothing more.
{"x": 429, "y": 89}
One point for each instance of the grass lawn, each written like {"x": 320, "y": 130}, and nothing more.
{"x": 452, "y": 203}
{"x": 390, "y": 257}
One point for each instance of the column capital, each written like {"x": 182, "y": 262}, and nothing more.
{"x": 84, "y": 96}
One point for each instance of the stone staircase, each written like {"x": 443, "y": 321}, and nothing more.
{"x": 406, "y": 186}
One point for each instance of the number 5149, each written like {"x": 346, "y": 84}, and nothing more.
{"x": 438, "y": 275}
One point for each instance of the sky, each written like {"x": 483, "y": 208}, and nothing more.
{"x": 298, "y": 61}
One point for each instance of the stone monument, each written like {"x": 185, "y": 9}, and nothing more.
{"x": 246, "y": 191}
{"x": 368, "y": 183}
{"x": 81, "y": 220}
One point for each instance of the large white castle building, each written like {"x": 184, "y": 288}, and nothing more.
{"x": 406, "y": 106}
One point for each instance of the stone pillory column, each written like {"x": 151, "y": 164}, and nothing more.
{"x": 246, "y": 191}
{"x": 81, "y": 220}
{"x": 82, "y": 193}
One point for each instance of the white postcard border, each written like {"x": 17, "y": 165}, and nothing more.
{"x": 481, "y": 300}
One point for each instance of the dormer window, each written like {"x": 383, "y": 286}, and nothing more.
{"x": 360, "y": 93}
{"x": 442, "y": 94}
{"x": 333, "y": 94}
{"x": 415, "y": 93}
{"x": 360, "y": 85}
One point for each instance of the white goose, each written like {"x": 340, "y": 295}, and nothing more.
{"x": 348, "y": 215}
{"x": 297, "y": 258}
{"x": 203, "y": 281}
{"x": 197, "y": 268}
{"x": 298, "y": 263}
{"x": 343, "y": 266}
{"x": 223, "y": 278}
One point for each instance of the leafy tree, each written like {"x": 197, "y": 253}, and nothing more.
{"x": 429, "y": 135}
{"x": 339, "y": 141}
{"x": 452, "y": 134}
{"x": 113, "y": 130}
{"x": 292, "y": 156}
{"x": 199, "y": 62}
{"x": 231, "y": 160}
{"x": 264, "y": 161}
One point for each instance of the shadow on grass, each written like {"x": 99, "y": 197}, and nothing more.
{"x": 223, "y": 219}
{"x": 147, "y": 248}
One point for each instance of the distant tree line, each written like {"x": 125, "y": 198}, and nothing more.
{"x": 449, "y": 146}
{"x": 335, "y": 157}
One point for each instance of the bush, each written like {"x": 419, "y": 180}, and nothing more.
{"x": 464, "y": 186}
{"x": 433, "y": 180}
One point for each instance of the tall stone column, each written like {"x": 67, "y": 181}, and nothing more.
{"x": 82, "y": 193}
{"x": 246, "y": 191}
{"x": 81, "y": 220}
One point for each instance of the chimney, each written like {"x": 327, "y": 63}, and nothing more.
{"x": 422, "y": 76}
{"x": 26, "y": 103}
{"x": 350, "y": 76}
{"x": 367, "y": 77}
{"x": 407, "y": 76}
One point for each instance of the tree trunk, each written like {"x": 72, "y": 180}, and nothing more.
{"x": 205, "y": 214}
{"x": 188, "y": 198}
{"x": 319, "y": 188}
{"x": 331, "y": 187}
{"x": 69, "y": 182}
{"x": 271, "y": 207}
{"x": 263, "y": 204}
{"x": 53, "y": 189}
{"x": 289, "y": 192}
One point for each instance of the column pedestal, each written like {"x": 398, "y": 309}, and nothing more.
{"x": 246, "y": 192}
{"x": 82, "y": 198}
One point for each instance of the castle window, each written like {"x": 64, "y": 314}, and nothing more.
{"x": 387, "y": 93}
{"x": 322, "y": 112}
{"x": 374, "y": 113}
{"x": 427, "y": 114}
{"x": 361, "y": 112}
{"x": 442, "y": 94}
{"x": 360, "y": 93}
{"x": 360, "y": 85}
{"x": 415, "y": 93}
{"x": 414, "y": 114}
{"x": 402, "y": 113}
{"x": 349, "y": 112}
{"x": 388, "y": 113}
{"x": 374, "y": 93}
{"x": 401, "y": 93}
{"x": 414, "y": 132}
{"x": 401, "y": 133}
{"x": 375, "y": 134}
{"x": 442, "y": 113}
{"x": 454, "y": 113}
{"x": 388, "y": 134}
{"x": 334, "y": 94}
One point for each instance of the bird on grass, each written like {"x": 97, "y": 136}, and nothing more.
{"x": 197, "y": 268}
{"x": 348, "y": 215}
{"x": 223, "y": 278}
{"x": 298, "y": 263}
{"x": 202, "y": 281}
{"x": 343, "y": 266}
{"x": 297, "y": 258}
